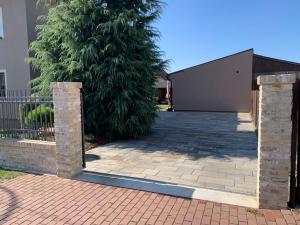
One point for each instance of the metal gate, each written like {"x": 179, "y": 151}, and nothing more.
{"x": 295, "y": 148}
{"x": 82, "y": 130}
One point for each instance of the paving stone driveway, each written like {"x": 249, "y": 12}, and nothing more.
{"x": 33, "y": 199}
{"x": 200, "y": 149}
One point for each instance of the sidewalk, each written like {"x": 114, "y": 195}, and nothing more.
{"x": 33, "y": 199}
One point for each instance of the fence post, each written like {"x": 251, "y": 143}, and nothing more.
{"x": 274, "y": 140}
{"x": 67, "y": 118}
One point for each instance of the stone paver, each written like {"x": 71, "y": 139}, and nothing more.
{"x": 33, "y": 199}
{"x": 200, "y": 149}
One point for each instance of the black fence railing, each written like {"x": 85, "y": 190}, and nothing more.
{"x": 26, "y": 116}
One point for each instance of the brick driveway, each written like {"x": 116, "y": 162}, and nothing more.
{"x": 198, "y": 149}
{"x": 33, "y": 199}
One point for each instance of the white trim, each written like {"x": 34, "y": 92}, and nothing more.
{"x": 1, "y": 24}
{"x": 170, "y": 189}
{"x": 5, "y": 79}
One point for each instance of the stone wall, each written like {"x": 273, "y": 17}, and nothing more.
{"x": 62, "y": 157}
{"x": 68, "y": 133}
{"x": 274, "y": 140}
{"x": 28, "y": 155}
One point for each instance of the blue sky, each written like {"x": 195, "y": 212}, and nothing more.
{"x": 197, "y": 31}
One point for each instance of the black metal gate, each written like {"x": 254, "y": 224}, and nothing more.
{"x": 82, "y": 130}
{"x": 295, "y": 148}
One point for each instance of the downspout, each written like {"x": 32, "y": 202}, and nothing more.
{"x": 170, "y": 92}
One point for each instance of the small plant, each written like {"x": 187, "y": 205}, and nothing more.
{"x": 40, "y": 114}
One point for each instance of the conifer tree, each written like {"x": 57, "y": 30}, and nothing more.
{"x": 109, "y": 46}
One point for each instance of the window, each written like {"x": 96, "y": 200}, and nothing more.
{"x": 2, "y": 84}
{"x": 1, "y": 24}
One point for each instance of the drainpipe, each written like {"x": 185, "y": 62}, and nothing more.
{"x": 170, "y": 94}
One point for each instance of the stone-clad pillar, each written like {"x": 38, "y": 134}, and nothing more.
{"x": 67, "y": 118}
{"x": 274, "y": 140}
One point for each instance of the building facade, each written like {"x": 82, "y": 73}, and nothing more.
{"x": 227, "y": 84}
{"x": 18, "y": 19}
{"x": 220, "y": 85}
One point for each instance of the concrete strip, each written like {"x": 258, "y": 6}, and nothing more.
{"x": 169, "y": 189}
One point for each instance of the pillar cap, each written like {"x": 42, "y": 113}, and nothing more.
{"x": 276, "y": 79}
{"x": 71, "y": 85}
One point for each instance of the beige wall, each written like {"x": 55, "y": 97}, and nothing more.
{"x": 274, "y": 140}
{"x": 62, "y": 157}
{"x": 19, "y": 20}
{"x": 28, "y": 155}
{"x": 34, "y": 10}
{"x": 215, "y": 86}
{"x": 14, "y": 45}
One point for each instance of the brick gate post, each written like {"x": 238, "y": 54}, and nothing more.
{"x": 274, "y": 140}
{"x": 67, "y": 118}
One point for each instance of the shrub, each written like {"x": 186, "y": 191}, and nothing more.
{"x": 41, "y": 113}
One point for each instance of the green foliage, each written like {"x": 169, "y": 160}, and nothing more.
{"x": 40, "y": 113}
{"x": 109, "y": 45}
{"x": 163, "y": 107}
{"x": 6, "y": 174}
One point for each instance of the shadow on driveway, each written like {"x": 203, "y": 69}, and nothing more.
{"x": 10, "y": 199}
{"x": 197, "y": 135}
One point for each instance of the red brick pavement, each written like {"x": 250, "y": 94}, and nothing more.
{"x": 33, "y": 199}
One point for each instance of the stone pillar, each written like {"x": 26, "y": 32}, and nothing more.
{"x": 274, "y": 140}
{"x": 67, "y": 118}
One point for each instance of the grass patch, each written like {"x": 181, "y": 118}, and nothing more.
{"x": 8, "y": 174}
{"x": 163, "y": 107}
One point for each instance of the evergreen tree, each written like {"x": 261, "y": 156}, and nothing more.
{"x": 109, "y": 46}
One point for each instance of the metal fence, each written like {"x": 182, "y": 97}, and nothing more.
{"x": 26, "y": 116}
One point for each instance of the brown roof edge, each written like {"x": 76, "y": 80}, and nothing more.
{"x": 164, "y": 75}
{"x": 274, "y": 59}
{"x": 251, "y": 49}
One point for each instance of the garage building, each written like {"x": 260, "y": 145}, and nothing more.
{"x": 225, "y": 84}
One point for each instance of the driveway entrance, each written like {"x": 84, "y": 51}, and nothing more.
{"x": 198, "y": 149}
